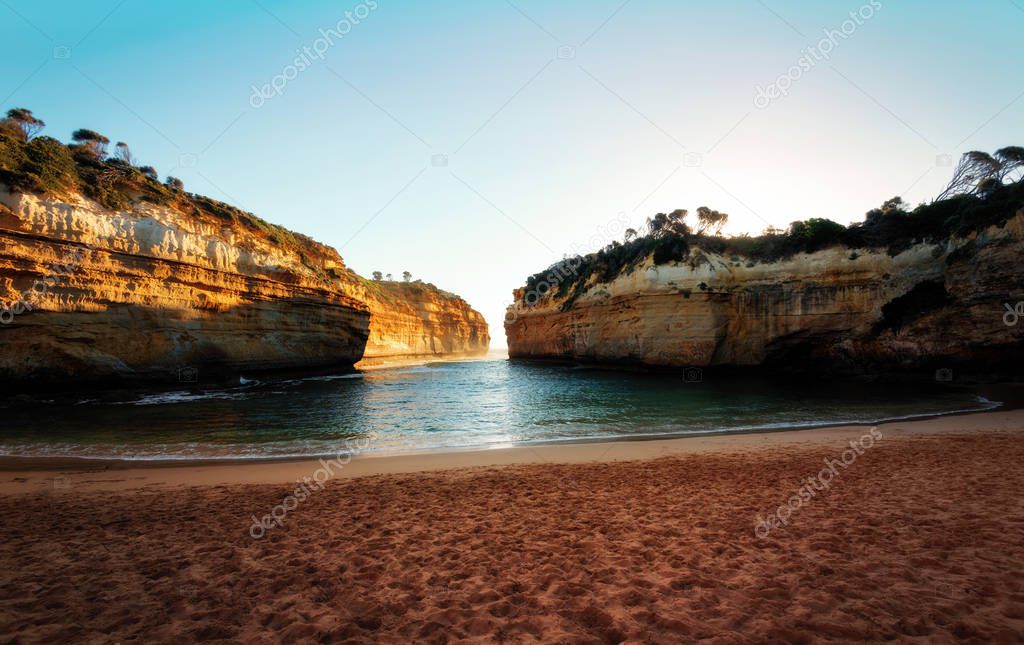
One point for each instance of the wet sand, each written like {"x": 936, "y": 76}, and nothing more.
{"x": 920, "y": 537}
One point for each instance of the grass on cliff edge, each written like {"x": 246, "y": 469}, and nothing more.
{"x": 395, "y": 291}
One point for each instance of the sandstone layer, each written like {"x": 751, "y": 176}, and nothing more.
{"x": 415, "y": 319}
{"x": 931, "y": 306}
{"x": 156, "y": 294}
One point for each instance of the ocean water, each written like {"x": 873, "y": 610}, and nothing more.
{"x": 462, "y": 404}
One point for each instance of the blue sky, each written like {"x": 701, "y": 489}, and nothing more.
{"x": 557, "y": 119}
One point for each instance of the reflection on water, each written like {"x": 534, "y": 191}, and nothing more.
{"x": 476, "y": 403}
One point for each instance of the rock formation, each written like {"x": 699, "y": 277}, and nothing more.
{"x": 415, "y": 319}
{"x": 932, "y": 305}
{"x": 166, "y": 293}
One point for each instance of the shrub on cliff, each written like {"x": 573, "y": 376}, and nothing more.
{"x": 52, "y": 163}
{"x": 12, "y": 157}
{"x": 896, "y": 229}
{"x": 41, "y": 165}
{"x": 674, "y": 249}
{"x": 10, "y": 129}
{"x": 816, "y": 234}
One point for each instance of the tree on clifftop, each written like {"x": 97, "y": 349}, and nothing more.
{"x": 893, "y": 204}
{"x": 93, "y": 141}
{"x": 30, "y": 126}
{"x": 1011, "y": 159}
{"x": 406, "y": 276}
{"x": 378, "y": 276}
{"x": 656, "y": 224}
{"x": 979, "y": 171}
{"x": 673, "y": 223}
{"x": 124, "y": 153}
{"x": 175, "y": 183}
{"x": 710, "y": 221}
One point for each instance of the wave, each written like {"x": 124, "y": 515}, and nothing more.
{"x": 167, "y": 398}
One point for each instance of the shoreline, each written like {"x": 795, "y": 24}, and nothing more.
{"x": 1011, "y": 397}
{"x": 42, "y": 474}
{"x": 619, "y": 542}
{"x": 13, "y": 462}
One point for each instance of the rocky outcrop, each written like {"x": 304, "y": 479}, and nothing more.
{"x": 157, "y": 294}
{"x": 416, "y": 319}
{"x": 863, "y": 310}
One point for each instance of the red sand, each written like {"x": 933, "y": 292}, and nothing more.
{"x": 921, "y": 539}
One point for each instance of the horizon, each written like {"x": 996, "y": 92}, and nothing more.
{"x": 508, "y": 138}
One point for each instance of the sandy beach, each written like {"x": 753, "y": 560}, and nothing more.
{"x": 914, "y": 532}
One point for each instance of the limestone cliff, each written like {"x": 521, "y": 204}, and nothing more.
{"x": 157, "y": 292}
{"x": 417, "y": 319}
{"x": 932, "y": 305}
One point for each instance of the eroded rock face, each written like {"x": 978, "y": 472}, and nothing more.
{"x": 412, "y": 319}
{"x": 838, "y": 308}
{"x": 153, "y": 294}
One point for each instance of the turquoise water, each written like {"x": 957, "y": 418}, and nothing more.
{"x": 479, "y": 403}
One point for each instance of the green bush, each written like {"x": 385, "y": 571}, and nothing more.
{"x": 52, "y": 162}
{"x": 43, "y": 165}
{"x": 671, "y": 250}
{"x": 816, "y": 234}
{"x": 12, "y": 158}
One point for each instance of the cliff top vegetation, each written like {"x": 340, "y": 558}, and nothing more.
{"x": 44, "y": 166}
{"x": 986, "y": 190}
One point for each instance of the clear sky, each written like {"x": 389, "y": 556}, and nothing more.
{"x": 555, "y": 117}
